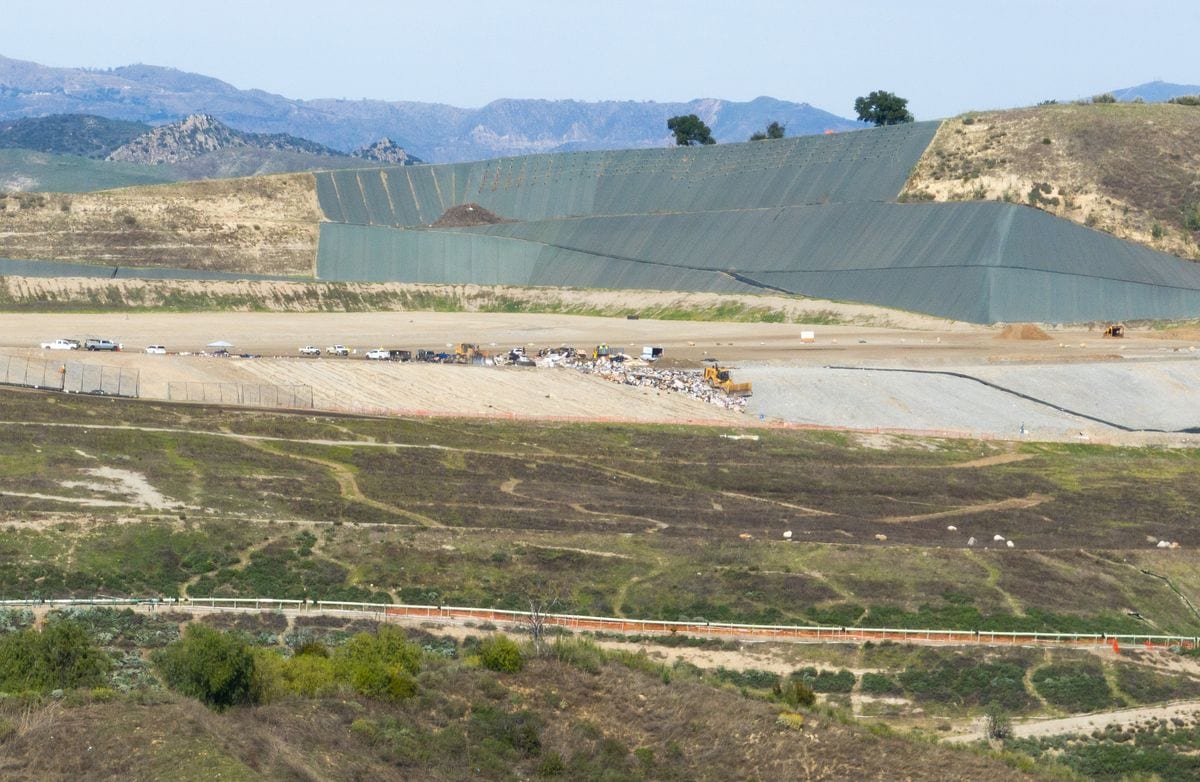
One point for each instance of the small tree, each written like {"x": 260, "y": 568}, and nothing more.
{"x": 997, "y": 724}
{"x": 216, "y": 667}
{"x": 774, "y": 130}
{"x": 689, "y": 130}
{"x": 883, "y": 108}
{"x": 1106, "y": 97}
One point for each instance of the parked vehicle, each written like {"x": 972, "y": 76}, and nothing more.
{"x": 157, "y": 349}
{"x": 92, "y": 343}
{"x": 400, "y": 355}
{"x": 337, "y": 350}
{"x": 379, "y": 354}
{"x": 61, "y": 344}
{"x": 310, "y": 350}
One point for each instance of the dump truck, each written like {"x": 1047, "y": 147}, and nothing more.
{"x": 720, "y": 378}
{"x": 1115, "y": 330}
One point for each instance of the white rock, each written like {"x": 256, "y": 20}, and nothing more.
{"x": 787, "y": 535}
{"x": 1010, "y": 544}
{"x": 952, "y": 528}
{"x": 997, "y": 538}
{"x": 971, "y": 541}
{"x": 1163, "y": 544}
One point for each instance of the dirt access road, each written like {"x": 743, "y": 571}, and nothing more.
{"x": 1086, "y": 723}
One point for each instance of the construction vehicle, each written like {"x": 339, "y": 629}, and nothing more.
{"x": 720, "y": 378}
{"x": 1114, "y": 330}
{"x": 468, "y": 353}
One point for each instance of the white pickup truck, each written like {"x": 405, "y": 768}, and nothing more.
{"x": 61, "y": 344}
{"x": 338, "y": 350}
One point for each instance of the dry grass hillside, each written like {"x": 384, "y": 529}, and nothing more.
{"x": 262, "y": 225}
{"x": 1130, "y": 169}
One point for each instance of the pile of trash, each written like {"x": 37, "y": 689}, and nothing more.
{"x": 681, "y": 381}
{"x": 618, "y": 367}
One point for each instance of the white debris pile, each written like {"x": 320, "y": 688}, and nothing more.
{"x": 681, "y": 381}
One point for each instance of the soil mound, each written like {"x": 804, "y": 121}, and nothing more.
{"x": 1022, "y": 331}
{"x": 467, "y": 214}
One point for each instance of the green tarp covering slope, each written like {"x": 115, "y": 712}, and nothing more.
{"x": 814, "y": 216}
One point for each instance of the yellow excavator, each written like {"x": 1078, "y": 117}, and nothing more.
{"x": 720, "y": 378}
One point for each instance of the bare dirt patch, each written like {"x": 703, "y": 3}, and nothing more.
{"x": 1127, "y": 169}
{"x": 1022, "y": 331}
{"x": 265, "y": 225}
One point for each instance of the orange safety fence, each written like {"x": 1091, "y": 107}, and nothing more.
{"x": 626, "y": 626}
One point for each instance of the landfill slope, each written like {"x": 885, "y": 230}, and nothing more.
{"x": 1034, "y": 400}
{"x": 816, "y": 216}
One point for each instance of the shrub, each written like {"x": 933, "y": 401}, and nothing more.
{"x": 1074, "y": 686}
{"x": 1106, "y": 97}
{"x": 552, "y": 765}
{"x": 968, "y": 682}
{"x": 211, "y": 665}
{"x": 382, "y": 664}
{"x": 826, "y": 681}
{"x": 790, "y": 720}
{"x": 1156, "y": 230}
{"x": 796, "y": 693}
{"x": 57, "y": 658}
{"x": 501, "y": 653}
{"x": 761, "y": 680}
{"x": 1191, "y": 216}
{"x": 1186, "y": 100}
{"x": 879, "y": 684}
{"x": 519, "y": 730}
{"x": 581, "y": 653}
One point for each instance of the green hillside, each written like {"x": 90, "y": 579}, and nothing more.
{"x": 29, "y": 171}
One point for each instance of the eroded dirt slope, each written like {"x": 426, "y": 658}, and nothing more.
{"x": 261, "y": 225}
{"x": 1132, "y": 170}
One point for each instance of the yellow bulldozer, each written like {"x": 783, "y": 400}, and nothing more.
{"x": 720, "y": 378}
{"x": 468, "y": 353}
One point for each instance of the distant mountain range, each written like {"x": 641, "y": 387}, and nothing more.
{"x": 197, "y": 147}
{"x": 1155, "y": 91}
{"x": 432, "y": 131}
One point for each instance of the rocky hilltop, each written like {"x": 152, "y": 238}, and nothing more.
{"x": 201, "y": 134}
{"x": 385, "y": 151}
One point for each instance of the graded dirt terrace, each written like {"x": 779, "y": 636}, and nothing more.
{"x": 1074, "y": 384}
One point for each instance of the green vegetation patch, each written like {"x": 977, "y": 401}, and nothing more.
{"x": 1074, "y": 686}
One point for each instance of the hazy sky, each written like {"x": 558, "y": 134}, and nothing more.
{"x": 944, "y": 56}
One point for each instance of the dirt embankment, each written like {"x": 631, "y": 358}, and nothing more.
{"x": 1128, "y": 169}
{"x": 75, "y": 294}
{"x": 259, "y": 225}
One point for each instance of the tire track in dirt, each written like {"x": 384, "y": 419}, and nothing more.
{"x": 1014, "y": 503}
{"x": 348, "y": 485}
{"x": 509, "y": 487}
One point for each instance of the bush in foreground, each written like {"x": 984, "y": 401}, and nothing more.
{"x": 501, "y": 653}
{"x": 215, "y": 667}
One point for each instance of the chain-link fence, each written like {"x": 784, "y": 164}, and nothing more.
{"x": 85, "y": 378}
{"x": 71, "y": 376}
{"x": 36, "y": 373}
{"x": 245, "y": 394}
